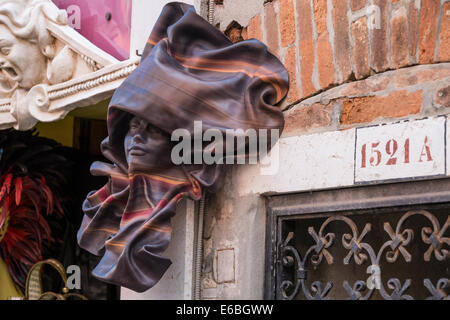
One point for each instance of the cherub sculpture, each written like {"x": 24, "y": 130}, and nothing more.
{"x": 27, "y": 47}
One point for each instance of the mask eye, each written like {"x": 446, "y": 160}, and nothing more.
{"x": 134, "y": 124}
{"x": 155, "y": 130}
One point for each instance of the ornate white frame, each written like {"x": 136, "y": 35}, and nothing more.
{"x": 94, "y": 76}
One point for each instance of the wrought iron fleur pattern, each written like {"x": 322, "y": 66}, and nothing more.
{"x": 362, "y": 252}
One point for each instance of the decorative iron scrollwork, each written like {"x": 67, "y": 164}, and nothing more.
{"x": 295, "y": 265}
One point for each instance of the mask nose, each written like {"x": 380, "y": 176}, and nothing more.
{"x": 139, "y": 134}
{"x": 138, "y": 138}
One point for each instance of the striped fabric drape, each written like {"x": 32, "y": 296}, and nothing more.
{"x": 189, "y": 72}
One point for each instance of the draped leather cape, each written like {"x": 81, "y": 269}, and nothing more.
{"x": 189, "y": 72}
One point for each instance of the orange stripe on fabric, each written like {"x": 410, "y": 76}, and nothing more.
{"x": 167, "y": 179}
{"x": 208, "y": 63}
{"x": 88, "y": 229}
{"x": 262, "y": 77}
{"x": 116, "y": 244}
{"x": 164, "y": 230}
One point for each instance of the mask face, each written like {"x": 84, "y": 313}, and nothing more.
{"x": 147, "y": 148}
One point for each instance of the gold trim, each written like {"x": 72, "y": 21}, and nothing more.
{"x": 4, "y": 228}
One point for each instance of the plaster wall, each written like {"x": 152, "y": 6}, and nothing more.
{"x": 143, "y": 17}
{"x": 236, "y": 216}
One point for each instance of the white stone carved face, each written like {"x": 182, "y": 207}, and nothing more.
{"x": 21, "y": 61}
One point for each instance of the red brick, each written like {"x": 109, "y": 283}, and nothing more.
{"x": 360, "y": 50}
{"x": 325, "y": 57}
{"x": 357, "y": 4}
{"x": 287, "y": 22}
{"x": 444, "y": 37}
{"x": 306, "y": 46}
{"x": 366, "y": 109}
{"x": 372, "y": 84}
{"x": 271, "y": 28}
{"x": 324, "y": 51}
{"x": 290, "y": 63}
{"x": 428, "y": 30}
{"x": 406, "y": 77}
{"x": 308, "y": 117}
{"x": 380, "y": 51}
{"x": 413, "y": 31}
{"x": 399, "y": 39}
{"x": 254, "y": 30}
{"x": 342, "y": 39}
{"x": 244, "y": 34}
{"x": 433, "y": 75}
{"x": 320, "y": 15}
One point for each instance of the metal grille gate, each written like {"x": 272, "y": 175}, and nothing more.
{"x": 372, "y": 242}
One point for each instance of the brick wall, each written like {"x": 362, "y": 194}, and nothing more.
{"x": 354, "y": 62}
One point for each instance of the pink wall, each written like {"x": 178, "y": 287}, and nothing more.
{"x": 89, "y": 18}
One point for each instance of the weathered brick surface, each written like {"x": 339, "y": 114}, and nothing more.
{"x": 291, "y": 65}
{"x": 390, "y": 95}
{"x": 244, "y": 33}
{"x": 444, "y": 37}
{"x": 342, "y": 40}
{"x": 310, "y": 117}
{"x": 380, "y": 51}
{"x": 413, "y": 31}
{"x": 406, "y": 78}
{"x": 357, "y": 4}
{"x": 271, "y": 28}
{"x": 254, "y": 30}
{"x": 366, "y": 109}
{"x": 399, "y": 39}
{"x": 428, "y": 30}
{"x": 360, "y": 52}
{"x": 325, "y": 58}
{"x": 306, "y": 46}
{"x": 299, "y": 33}
{"x": 364, "y": 86}
{"x": 324, "y": 51}
{"x": 320, "y": 15}
{"x": 287, "y": 22}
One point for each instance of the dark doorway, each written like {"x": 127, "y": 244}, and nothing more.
{"x": 88, "y": 135}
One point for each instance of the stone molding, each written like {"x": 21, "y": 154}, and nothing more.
{"x": 47, "y": 69}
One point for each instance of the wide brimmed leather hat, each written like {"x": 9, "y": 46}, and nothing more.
{"x": 189, "y": 72}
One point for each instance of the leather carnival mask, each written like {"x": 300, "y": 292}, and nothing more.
{"x": 189, "y": 72}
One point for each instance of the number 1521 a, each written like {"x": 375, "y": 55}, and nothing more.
{"x": 376, "y": 153}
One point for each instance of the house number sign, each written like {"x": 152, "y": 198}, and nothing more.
{"x": 411, "y": 149}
